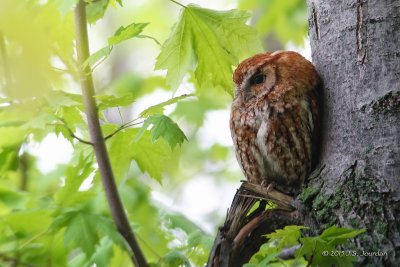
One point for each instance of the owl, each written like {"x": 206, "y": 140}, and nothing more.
{"x": 274, "y": 119}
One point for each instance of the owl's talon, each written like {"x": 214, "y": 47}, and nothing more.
{"x": 270, "y": 187}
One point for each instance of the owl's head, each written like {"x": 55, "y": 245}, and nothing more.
{"x": 275, "y": 75}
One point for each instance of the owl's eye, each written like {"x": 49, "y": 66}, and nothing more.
{"x": 257, "y": 79}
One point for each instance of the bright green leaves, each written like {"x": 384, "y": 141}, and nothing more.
{"x": 125, "y": 33}
{"x": 84, "y": 230}
{"x": 336, "y": 235}
{"x": 315, "y": 249}
{"x": 150, "y": 156}
{"x": 208, "y": 42}
{"x": 163, "y": 126}
{"x": 287, "y": 236}
{"x": 97, "y": 57}
{"x": 177, "y": 53}
{"x": 174, "y": 258}
{"x": 122, "y": 34}
{"x": 95, "y": 10}
{"x": 81, "y": 231}
{"x": 159, "y": 108}
{"x": 110, "y": 101}
{"x": 74, "y": 176}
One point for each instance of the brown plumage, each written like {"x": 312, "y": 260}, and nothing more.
{"x": 274, "y": 119}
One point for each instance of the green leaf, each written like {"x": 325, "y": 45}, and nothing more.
{"x": 163, "y": 126}
{"x": 69, "y": 194}
{"x": 199, "y": 238}
{"x": 120, "y": 258}
{"x": 266, "y": 254}
{"x": 314, "y": 247}
{"x": 57, "y": 99}
{"x": 209, "y": 42}
{"x": 287, "y": 236}
{"x": 125, "y": 33}
{"x": 103, "y": 254}
{"x": 96, "y": 57}
{"x": 64, "y": 6}
{"x": 113, "y": 2}
{"x": 150, "y": 156}
{"x": 109, "y": 101}
{"x": 95, "y": 10}
{"x": 335, "y": 235}
{"x": 11, "y": 136}
{"x": 176, "y": 220}
{"x": 173, "y": 259}
{"x": 39, "y": 220}
{"x": 81, "y": 231}
{"x": 120, "y": 159}
{"x": 177, "y": 55}
{"x": 159, "y": 108}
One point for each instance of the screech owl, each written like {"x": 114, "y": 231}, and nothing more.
{"x": 275, "y": 119}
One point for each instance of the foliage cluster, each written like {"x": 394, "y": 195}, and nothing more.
{"x": 319, "y": 250}
{"x": 61, "y": 218}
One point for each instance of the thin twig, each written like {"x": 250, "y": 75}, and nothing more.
{"x": 64, "y": 124}
{"x": 120, "y": 115}
{"x": 99, "y": 146}
{"x": 173, "y": 1}
{"x": 122, "y": 127}
{"x": 149, "y": 37}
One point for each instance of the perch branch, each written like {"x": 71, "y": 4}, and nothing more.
{"x": 244, "y": 229}
{"x": 103, "y": 161}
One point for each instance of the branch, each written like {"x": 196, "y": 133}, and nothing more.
{"x": 244, "y": 230}
{"x": 103, "y": 161}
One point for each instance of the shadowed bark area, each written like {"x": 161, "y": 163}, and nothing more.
{"x": 250, "y": 218}
{"x": 355, "y": 48}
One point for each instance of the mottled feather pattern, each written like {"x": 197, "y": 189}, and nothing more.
{"x": 274, "y": 119}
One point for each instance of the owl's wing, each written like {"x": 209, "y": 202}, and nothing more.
{"x": 285, "y": 140}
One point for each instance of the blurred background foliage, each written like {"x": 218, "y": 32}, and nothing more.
{"x": 52, "y": 208}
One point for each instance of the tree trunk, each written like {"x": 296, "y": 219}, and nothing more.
{"x": 356, "y": 49}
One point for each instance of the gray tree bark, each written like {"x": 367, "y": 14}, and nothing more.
{"x": 356, "y": 50}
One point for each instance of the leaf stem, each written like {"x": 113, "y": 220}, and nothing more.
{"x": 7, "y": 72}
{"x": 178, "y": 3}
{"x": 100, "y": 150}
{"x": 122, "y": 127}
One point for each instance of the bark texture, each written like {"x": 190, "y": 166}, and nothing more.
{"x": 356, "y": 50}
